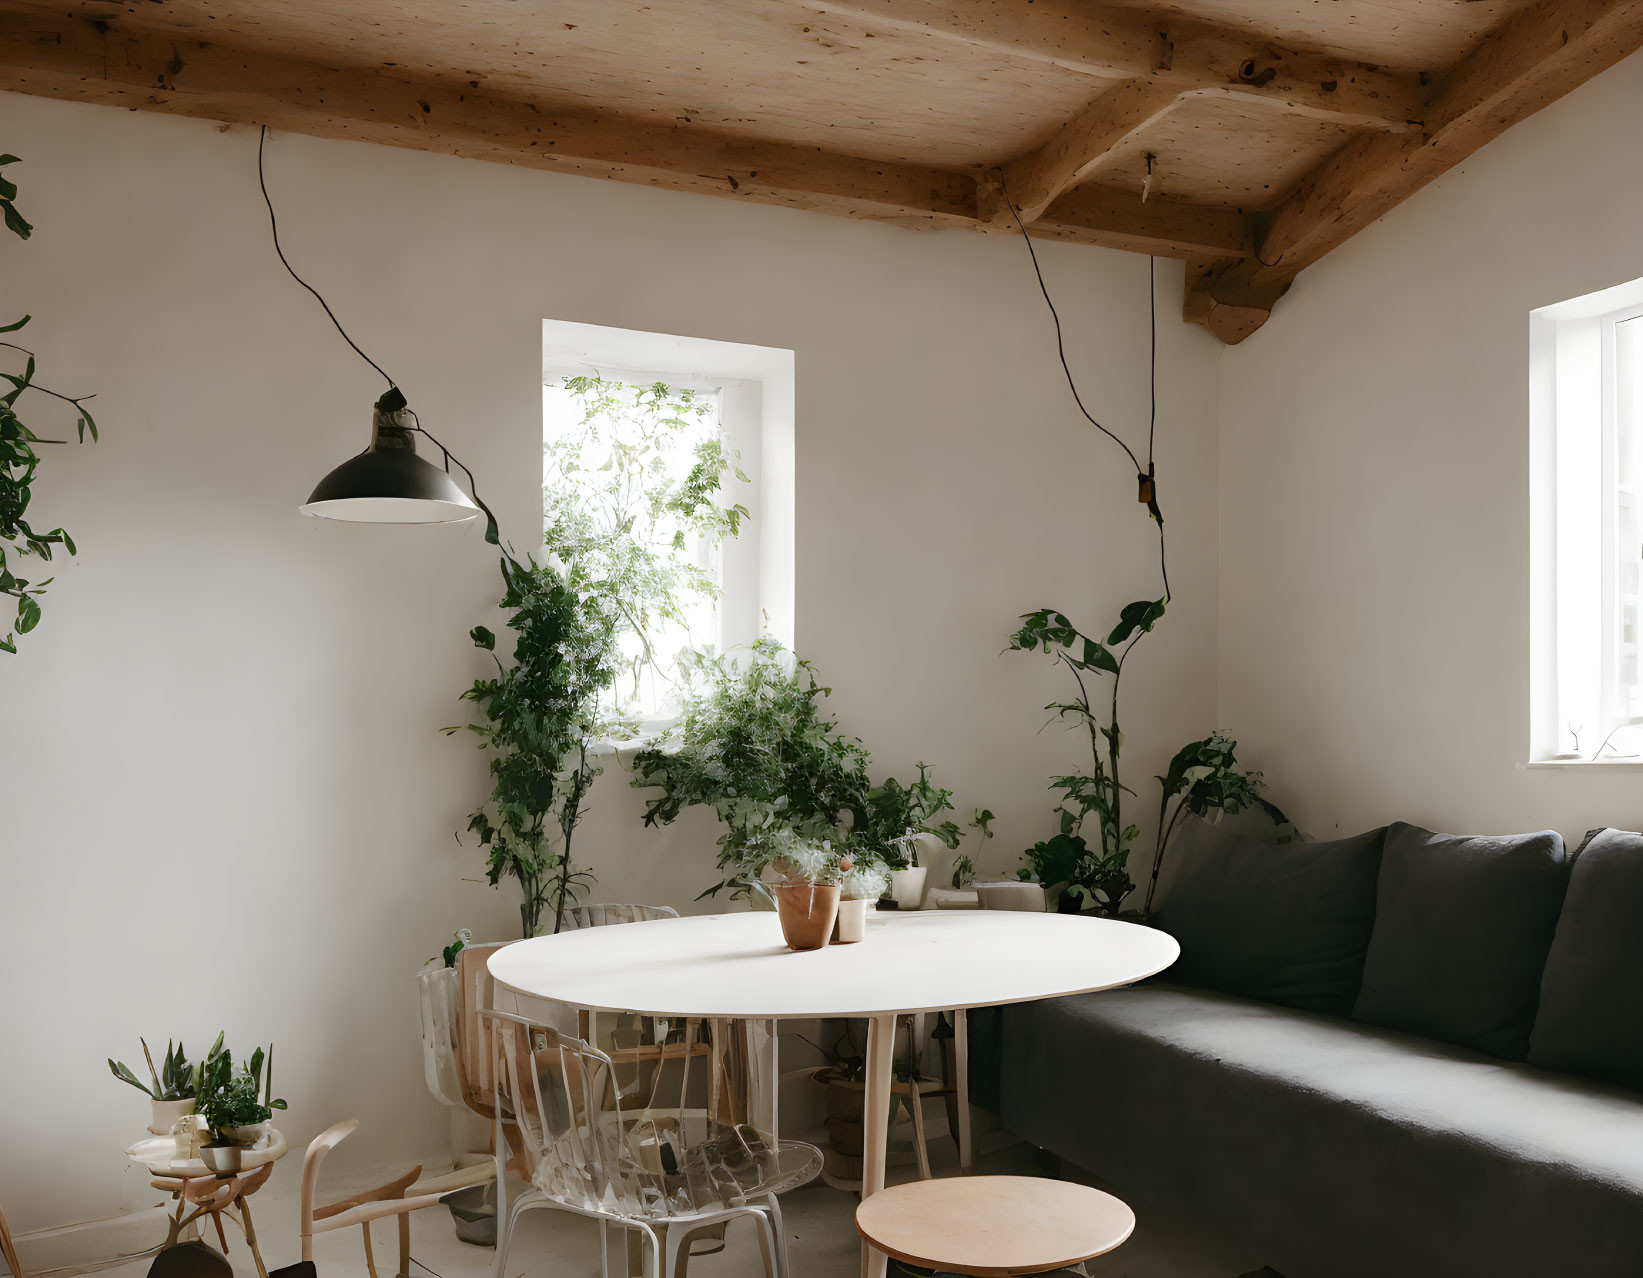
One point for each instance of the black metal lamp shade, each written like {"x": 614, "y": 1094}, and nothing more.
{"x": 389, "y": 484}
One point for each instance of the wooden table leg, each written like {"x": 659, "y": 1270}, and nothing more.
{"x": 961, "y": 1081}
{"x": 250, "y": 1232}
{"x": 878, "y": 1080}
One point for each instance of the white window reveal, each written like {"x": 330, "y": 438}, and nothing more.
{"x": 632, "y": 420}
{"x": 1586, "y": 489}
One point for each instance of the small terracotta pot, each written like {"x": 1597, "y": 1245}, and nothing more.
{"x": 852, "y": 922}
{"x": 807, "y": 913}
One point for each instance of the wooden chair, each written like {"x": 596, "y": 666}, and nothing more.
{"x": 8, "y": 1250}
{"x": 398, "y": 1197}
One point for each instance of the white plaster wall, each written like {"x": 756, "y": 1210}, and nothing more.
{"x": 1374, "y": 489}
{"x": 227, "y": 803}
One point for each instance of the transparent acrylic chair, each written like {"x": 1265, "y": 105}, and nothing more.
{"x": 660, "y": 1170}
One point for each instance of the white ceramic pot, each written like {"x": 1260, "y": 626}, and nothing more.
{"x": 247, "y": 1136}
{"x": 851, "y": 925}
{"x": 163, "y": 1115}
{"x": 1011, "y": 894}
{"x": 222, "y": 1158}
{"x": 907, "y": 887}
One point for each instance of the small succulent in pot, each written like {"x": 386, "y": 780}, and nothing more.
{"x": 237, "y": 1103}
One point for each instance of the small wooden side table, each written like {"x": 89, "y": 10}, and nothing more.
{"x": 993, "y": 1226}
{"x": 198, "y": 1191}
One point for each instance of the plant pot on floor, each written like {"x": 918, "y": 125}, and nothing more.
{"x": 163, "y": 1114}
{"x": 852, "y": 922}
{"x": 807, "y": 914}
{"x": 907, "y": 887}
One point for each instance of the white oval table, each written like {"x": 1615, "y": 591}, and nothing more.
{"x": 736, "y": 967}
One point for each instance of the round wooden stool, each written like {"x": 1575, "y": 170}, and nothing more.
{"x": 993, "y": 1226}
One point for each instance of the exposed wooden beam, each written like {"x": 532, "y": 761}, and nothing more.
{"x": 1528, "y": 62}
{"x": 94, "y": 62}
{"x": 1119, "y": 219}
{"x": 1125, "y": 44}
{"x": 1083, "y": 145}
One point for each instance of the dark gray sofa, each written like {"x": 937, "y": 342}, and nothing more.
{"x": 1335, "y": 1148}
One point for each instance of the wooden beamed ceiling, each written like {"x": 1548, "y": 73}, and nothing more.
{"x": 1221, "y": 132}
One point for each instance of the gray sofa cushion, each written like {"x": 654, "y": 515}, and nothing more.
{"x": 1328, "y": 1148}
{"x": 1462, "y": 926}
{"x": 1591, "y": 996}
{"x": 1284, "y": 923}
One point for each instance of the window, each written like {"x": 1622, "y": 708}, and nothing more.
{"x": 1587, "y": 527}
{"x": 632, "y": 422}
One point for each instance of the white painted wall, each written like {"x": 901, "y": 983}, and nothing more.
{"x": 227, "y": 802}
{"x": 1374, "y": 490}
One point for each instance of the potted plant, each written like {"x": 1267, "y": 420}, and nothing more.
{"x": 171, "y": 1088}
{"x": 236, "y": 1104}
{"x": 897, "y": 822}
{"x": 861, "y": 882}
{"x": 755, "y": 746}
{"x": 802, "y": 877}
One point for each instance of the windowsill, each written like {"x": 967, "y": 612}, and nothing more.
{"x": 1582, "y": 763}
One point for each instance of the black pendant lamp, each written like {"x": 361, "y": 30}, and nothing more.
{"x": 387, "y": 483}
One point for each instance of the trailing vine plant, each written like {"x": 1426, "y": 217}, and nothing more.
{"x": 1203, "y": 778}
{"x": 19, "y": 462}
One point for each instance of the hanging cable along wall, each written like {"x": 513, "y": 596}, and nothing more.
{"x": 1146, "y": 476}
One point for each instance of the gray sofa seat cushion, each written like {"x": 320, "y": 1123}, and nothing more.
{"x": 1591, "y": 996}
{"x": 1284, "y": 923}
{"x": 1462, "y": 926}
{"x": 1330, "y": 1148}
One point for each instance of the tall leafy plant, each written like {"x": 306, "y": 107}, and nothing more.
{"x": 1203, "y": 778}
{"x": 631, "y": 509}
{"x": 539, "y": 719}
{"x": 19, "y": 463}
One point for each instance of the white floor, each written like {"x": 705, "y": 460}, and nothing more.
{"x": 821, "y": 1239}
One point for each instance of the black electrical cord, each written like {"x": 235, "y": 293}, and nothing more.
{"x": 274, "y": 226}
{"x": 492, "y": 534}
{"x": 1149, "y": 475}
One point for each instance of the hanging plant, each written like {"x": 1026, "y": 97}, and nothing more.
{"x": 19, "y": 463}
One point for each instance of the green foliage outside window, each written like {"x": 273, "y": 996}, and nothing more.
{"x": 631, "y": 509}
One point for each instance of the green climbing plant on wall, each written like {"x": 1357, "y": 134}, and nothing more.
{"x": 20, "y": 461}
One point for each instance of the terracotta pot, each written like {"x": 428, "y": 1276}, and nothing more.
{"x": 163, "y": 1115}
{"x": 852, "y": 922}
{"x": 807, "y": 914}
